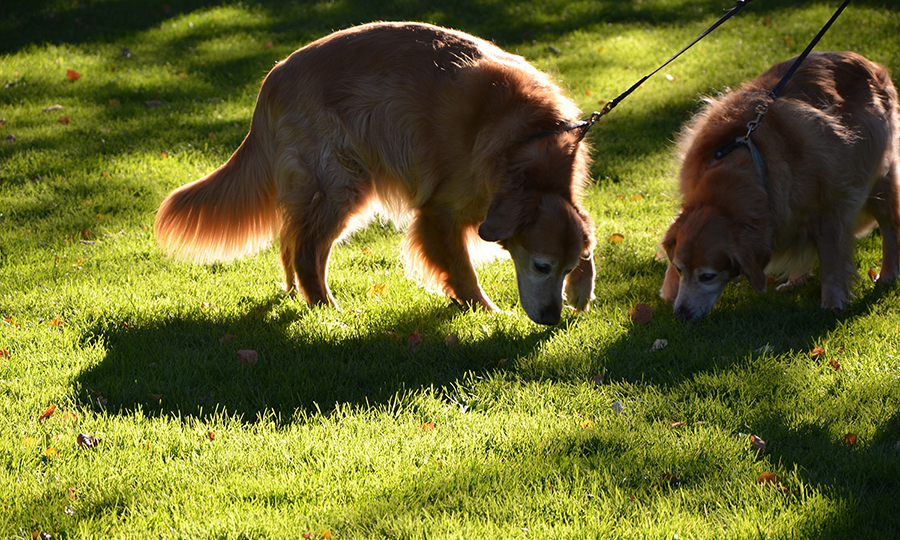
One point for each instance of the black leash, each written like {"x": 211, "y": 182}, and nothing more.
{"x": 586, "y": 124}
{"x": 763, "y": 108}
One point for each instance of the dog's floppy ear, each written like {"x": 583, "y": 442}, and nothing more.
{"x": 754, "y": 256}
{"x": 508, "y": 213}
{"x": 756, "y": 274}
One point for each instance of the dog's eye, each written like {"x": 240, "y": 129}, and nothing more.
{"x": 706, "y": 277}
{"x": 542, "y": 268}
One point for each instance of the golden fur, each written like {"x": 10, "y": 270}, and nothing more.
{"x": 829, "y": 146}
{"x": 430, "y": 125}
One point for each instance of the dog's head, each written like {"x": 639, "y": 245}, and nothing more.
{"x": 549, "y": 237}
{"x": 707, "y": 247}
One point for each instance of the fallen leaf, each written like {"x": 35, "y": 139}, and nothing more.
{"x": 28, "y": 441}
{"x": 415, "y": 342}
{"x": 637, "y": 197}
{"x": 71, "y": 493}
{"x": 11, "y": 322}
{"x": 850, "y": 439}
{"x": 113, "y": 103}
{"x": 48, "y": 412}
{"x": 268, "y": 45}
{"x": 377, "y": 289}
{"x": 658, "y": 345}
{"x": 73, "y": 75}
{"x": 873, "y": 275}
{"x": 210, "y": 435}
{"x": 587, "y": 424}
{"x": 4, "y": 353}
{"x": 88, "y": 441}
{"x": 63, "y": 120}
{"x": 451, "y": 341}
{"x": 835, "y": 364}
{"x": 326, "y": 534}
{"x": 616, "y": 238}
{"x": 758, "y": 444}
{"x": 677, "y": 425}
{"x": 41, "y": 535}
{"x": 249, "y": 357}
{"x": 155, "y": 397}
{"x": 51, "y": 452}
{"x": 817, "y": 351}
{"x": 56, "y": 322}
{"x": 768, "y": 478}
{"x": 427, "y": 426}
{"x": 641, "y": 313}
{"x": 598, "y": 380}
{"x": 670, "y": 479}
{"x": 618, "y": 408}
{"x": 226, "y": 337}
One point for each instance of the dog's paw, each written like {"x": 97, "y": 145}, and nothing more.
{"x": 580, "y": 285}
{"x": 669, "y": 290}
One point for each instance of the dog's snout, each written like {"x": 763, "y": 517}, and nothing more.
{"x": 550, "y": 316}
{"x": 684, "y": 313}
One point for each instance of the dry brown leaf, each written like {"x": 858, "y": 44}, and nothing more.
{"x": 249, "y": 357}
{"x": 641, "y": 313}
{"x": 415, "y": 342}
{"x": 48, "y": 412}
{"x": 88, "y": 441}
{"x": 758, "y": 444}
{"x": 617, "y": 238}
{"x": 768, "y": 478}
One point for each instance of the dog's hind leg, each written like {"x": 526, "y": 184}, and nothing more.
{"x": 317, "y": 207}
{"x": 884, "y": 205}
{"x": 437, "y": 248}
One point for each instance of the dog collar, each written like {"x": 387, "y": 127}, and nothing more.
{"x": 754, "y": 153}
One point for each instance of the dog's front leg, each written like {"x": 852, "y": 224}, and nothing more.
{"x": 580, "y": 284}
{"x": 670, "y": 284}
{"x": 834, "y": 244}
{"x": 437, "y": 246}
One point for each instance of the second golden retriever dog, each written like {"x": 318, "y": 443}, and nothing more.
{"x": 432, "y": 126}
{"x": 826, "y": 169}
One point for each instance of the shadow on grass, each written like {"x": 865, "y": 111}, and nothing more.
{"x": 53, "y": 22}
{"x": 190, "y": 367}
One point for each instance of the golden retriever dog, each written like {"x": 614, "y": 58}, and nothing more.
{"x": 826, "y": 169}
{"x": 441, "y": 130}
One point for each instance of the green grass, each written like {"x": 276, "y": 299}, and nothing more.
{"x": 341, "y": 429}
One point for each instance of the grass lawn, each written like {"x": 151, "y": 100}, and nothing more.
{"x": 491, "y": 426}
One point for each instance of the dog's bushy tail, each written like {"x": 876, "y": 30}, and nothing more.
{"x": 228, "y": 214}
